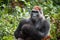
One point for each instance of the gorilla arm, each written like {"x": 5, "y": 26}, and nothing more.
{"x": 39, "y": 34}
{"x": 18, "y": 32}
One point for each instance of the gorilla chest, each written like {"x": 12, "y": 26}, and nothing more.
{"x": 38, "y": 25}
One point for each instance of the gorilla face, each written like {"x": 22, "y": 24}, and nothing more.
{"x": 34, "y": 15}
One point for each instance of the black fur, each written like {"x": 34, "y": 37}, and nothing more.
{"x": 35, "y": 30}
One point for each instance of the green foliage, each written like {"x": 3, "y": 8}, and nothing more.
{"x": 10, "y": 17}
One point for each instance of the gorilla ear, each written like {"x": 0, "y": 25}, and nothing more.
{"x": 41, "y": 11}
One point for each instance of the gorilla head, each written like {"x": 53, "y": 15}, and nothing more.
{"x": 37, "y": 13}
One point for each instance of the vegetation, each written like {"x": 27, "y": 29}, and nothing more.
{"x": 12, "y": 11}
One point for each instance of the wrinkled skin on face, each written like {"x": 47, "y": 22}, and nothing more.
{"x": 36, "y": 15}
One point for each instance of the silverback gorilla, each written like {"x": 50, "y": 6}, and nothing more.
{"x": 34, "y": 28}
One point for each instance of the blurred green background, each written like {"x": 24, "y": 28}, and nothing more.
{"x": 12, "y": 11}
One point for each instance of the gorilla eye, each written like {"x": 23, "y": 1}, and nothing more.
{"x": 34, "y": 11}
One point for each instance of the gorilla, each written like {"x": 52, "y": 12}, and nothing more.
{"x": 34, "y": 28}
